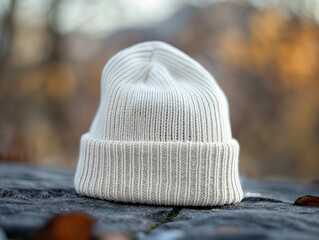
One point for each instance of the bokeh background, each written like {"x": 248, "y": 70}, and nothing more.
{"x": 264, "y": 54}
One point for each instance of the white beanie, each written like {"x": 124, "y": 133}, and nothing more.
{"x": 161, "y": 134}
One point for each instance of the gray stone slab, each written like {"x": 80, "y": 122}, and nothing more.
{"x": 267, "y": 212}
{"x": 30, "y": 196}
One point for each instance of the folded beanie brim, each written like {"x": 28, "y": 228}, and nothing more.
{"x": 163, "y": 173}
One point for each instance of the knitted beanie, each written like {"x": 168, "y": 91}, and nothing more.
{"x": 161, "y": 134}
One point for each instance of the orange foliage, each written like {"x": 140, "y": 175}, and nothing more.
{"x": 266, "y": 61}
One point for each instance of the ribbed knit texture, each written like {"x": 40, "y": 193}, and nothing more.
{"x": 161, "y": 134}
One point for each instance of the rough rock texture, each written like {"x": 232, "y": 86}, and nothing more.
{"x": 31, "y": 196}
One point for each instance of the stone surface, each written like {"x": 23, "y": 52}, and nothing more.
{"x": 30, "y": 196}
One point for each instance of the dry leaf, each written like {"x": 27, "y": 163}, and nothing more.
{"x": 227, "y": 230}
{"x": 71, "y": 226}
{"x": 310, "y": 201}
{"x": 14, "y": 149}
{"x": 114, "y": 236}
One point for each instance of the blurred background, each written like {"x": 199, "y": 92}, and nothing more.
{"x": 264, "y": 54}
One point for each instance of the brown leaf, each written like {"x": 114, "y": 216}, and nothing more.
{"x": 71, "y": 226}
{"x": 114, "y": 236}
{"x": 310, "y": 201}
{"x": 14, "y": 149}
{"x": 227, "y": 230}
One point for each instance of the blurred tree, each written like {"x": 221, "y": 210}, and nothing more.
{"x": 265, "y": 58}
{"x": 6, "y": 29}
